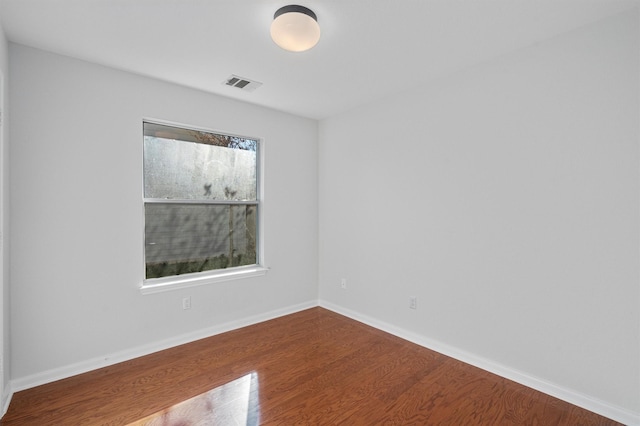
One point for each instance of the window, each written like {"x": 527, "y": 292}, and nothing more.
{"x": 200, "y": 202}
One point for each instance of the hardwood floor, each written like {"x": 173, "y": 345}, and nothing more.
{"x": 314, "y": 367}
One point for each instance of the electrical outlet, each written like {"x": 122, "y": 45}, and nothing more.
{"x": 413, "y": 302}
{"x": 343, "y": 283}
{"x": 186, "y": 302}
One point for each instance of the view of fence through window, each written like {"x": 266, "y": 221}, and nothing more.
{"x": 201, "y": 204}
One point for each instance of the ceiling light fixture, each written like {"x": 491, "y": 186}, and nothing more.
{"x": 295, "y": 28}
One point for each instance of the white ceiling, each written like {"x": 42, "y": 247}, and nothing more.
{"x": 368, "y": 49}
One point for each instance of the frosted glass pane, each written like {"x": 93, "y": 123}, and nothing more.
{"x": 186, "y": 238}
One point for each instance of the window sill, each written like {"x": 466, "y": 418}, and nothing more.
{"x": 157, "y": 285}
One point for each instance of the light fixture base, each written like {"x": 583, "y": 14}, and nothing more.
{"x": 297, "y": 9}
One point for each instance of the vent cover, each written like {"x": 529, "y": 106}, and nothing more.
{"x": 242, "y": 83}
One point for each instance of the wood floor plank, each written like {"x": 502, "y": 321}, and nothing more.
{"x": 314, "y": 367}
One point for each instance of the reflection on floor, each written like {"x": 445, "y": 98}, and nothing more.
{"x": 234, "y": 403}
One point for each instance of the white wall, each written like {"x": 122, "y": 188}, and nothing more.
{"x": 4, "y": 224}
{"x": 77, "y": 228}
{"x": 506, "y": 198}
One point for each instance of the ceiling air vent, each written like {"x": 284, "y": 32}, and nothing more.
{"x": 242, "y": 83}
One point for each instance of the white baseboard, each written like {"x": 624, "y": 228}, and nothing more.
{"x": 126, "y": 355}
{"x": 592, "y": 404}
{"x": 7, "y": 394}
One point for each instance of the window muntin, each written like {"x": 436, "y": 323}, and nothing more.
{"x": 200, "y": 199}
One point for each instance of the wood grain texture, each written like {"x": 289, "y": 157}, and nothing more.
{"x": 314, "y": 367}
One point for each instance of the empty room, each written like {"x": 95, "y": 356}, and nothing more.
{"x": 410, "y": 212}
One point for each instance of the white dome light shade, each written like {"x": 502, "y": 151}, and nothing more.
{"x": 295, "y": 28}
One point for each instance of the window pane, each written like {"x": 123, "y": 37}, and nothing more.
{"x": 198, "y": 165}
{"x": 186, "y": 238}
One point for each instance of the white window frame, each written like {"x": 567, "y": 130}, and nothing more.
{"x": 176, "y": 282}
